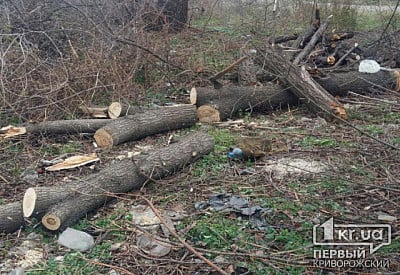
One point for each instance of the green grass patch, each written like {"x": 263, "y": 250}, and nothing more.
{"x": 75, "y": 262}
{"x": 310, "y": 141}
{"x": 217, "y": 160}
{"x": 379, "y": 116}
{"x": 394, "y": 247}
{"x": 374, "y": 129}
{"x": 220, "y": 232}
{"x": 60, "y": 149}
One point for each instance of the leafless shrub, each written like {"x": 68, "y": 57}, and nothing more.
{"x": 57, "y": 55}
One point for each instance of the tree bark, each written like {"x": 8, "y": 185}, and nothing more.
{"x": 11, "y": 217}
{"x": 298, "y": 80}
{"x": 144, "y": 124}
{"x": 228, "y": 101}
{"x": 117, "y": 109}
{"x": 95, "y": 111}
{"x": 58, "y": 127}
{"x": 340, "y": 83}
{"x": 126, "y": 175}
{"x": 38, "y": 199}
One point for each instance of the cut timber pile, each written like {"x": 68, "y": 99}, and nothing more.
{"x": 64, "y": 205}
{"x": 311, "y": 74}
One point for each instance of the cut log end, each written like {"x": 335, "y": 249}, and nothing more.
{"x": 114, "y": 110}
{"x": 29, "y": 202}
{"x": 51, "y": 222}
{"x": 95, "y": 111}
{"x": 103, "y": 138}
{"x": 193, "y": 96}
{"x": 208, "y": 114}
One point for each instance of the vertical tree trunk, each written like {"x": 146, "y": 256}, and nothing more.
{"x": 175, "y": 12}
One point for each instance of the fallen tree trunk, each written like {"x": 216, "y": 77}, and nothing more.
{"x": 340, "y": 83}
{"x": 218, "y": 105}
{"x": 144, "y": 124}
{"x": 126, "y": 175}
{"x": 59, "y": 127}
{"x": 228, "y": 101}
{"x": 301, "y": 84}
{"x": 11, "y": 218}
{"x": 95, "y": 111}
{"x": 38, "y": 199}
{"x": 117, "y": 109}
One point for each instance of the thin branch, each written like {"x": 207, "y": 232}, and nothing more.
{"x": 133, "y": 43}
{"x": 188, "y": 246}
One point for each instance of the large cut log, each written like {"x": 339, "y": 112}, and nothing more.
{"x": 38, "y": 199}
{"x": 95, "y": 111}
{"x": 298, "y": 80}
{"x": 340, "y": 83}
{"x": 59, "y": 127}
{"x": 11, "y": 218}
{"x": 117, "y": 109}
{"x": 126, "y": 175}
{"x": 144, "y": 124}
{"x": 228, "y": 101}
{"x": 218, "y": 105}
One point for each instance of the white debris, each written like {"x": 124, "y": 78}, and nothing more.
{"x": 289, "y": 166}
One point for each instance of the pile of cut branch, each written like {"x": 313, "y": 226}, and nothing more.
{"x": 316, "y": 68}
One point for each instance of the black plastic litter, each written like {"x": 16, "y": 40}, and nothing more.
{"x": 232, "y": 203}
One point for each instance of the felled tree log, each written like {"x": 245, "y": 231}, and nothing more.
{"x": 228, "y": 101}
{"x": 95, "y": 111}
{"x": 117, "y": 109}
{"x": 301, "y": 84}
{"x": 11, "y": 218}
{"x": 38, "y": 199}
{"x": 144, "y": 124}
{"x": 58, "y": 127}
{"x": 126, "y": 175}
{"x": 340, "y": 83}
